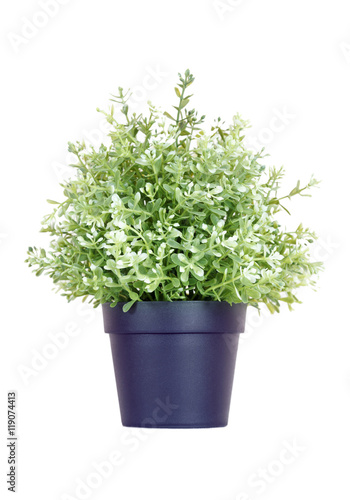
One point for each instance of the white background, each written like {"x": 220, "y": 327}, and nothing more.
{"x": 292, "y": 381}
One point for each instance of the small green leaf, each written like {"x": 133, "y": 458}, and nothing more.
{"x": 184, "y": 103}
{"x": 174, "y": 244}
{"x": 178, "y": 195}
{"x": 182, "y": 258}
{"x": 252, "y": 292}
{"x": 184, "y": 275}
{"x": 169, "y": 116}
{"x": 128, "y": 305}
{"x": 175, "y": 259}
{"x": 110, "y": 265}
{"x": 168, "y": 188}
{"x": 142, "y": 161}
{"x": 289, "y": 300}
{"x": 158, "y": 163}
{"x": 271, "y": 307}
{"x": 197, "y": 272}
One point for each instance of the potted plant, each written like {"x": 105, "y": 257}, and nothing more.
{"x": 174, "y": 231}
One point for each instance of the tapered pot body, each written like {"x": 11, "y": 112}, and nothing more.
{"x": 174, "y": 362}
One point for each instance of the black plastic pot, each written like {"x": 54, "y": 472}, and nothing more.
{"x": 174, "y": 361}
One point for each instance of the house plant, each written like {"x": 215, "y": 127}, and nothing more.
{"x": 174, "y": 231}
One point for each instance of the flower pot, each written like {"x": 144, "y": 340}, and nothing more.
{"x": 174, "y": 361}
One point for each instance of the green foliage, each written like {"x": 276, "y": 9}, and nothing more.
{"x": 169, "y": 212}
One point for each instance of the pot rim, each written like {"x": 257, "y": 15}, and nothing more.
{"x": 164, "y": 317}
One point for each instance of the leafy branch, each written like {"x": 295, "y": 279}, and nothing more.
{"x": 168, "y": 212}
